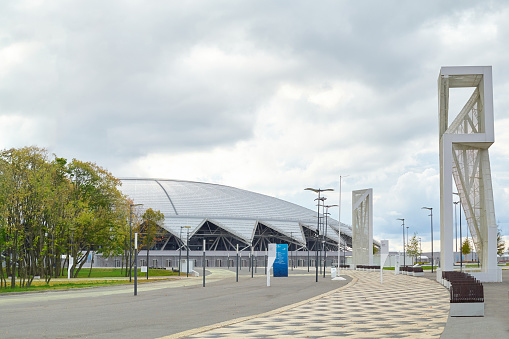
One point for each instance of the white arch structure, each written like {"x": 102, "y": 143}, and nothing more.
{"x": 464, "y": 156}
{"x": 362, "y": 227}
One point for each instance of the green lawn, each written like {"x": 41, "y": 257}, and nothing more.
{"x": 38, "y": 285}
{"x": 117, "y": 272}
{"x": 81, "y": 281}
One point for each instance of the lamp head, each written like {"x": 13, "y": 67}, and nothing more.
{"x": 317, "y": 190}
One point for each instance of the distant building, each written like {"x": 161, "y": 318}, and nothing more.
{"x": 226, "y": 217}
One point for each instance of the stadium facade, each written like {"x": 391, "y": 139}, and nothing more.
{"x": 229, "y": 218}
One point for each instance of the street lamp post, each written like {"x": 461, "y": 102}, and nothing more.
{"x": 131, "y": 237}
{"x": 461, "y": 244}
{"x": 317, "y": 190}
{"x": 326, "y": 226}
{"x": 407, "y": 235}
{"x": 180, "y": 249}
{"x": 187, "y": 247}
{"x": 289, "y": 244}
{"x": 456, "y": 222}
{"x": 339, "y": 227}
{"x": 420, "y": 250}
{"x": 251, "y": 261}
{"x": 203, "y": 262}
{"x": 321, "y": 230}
{"x": 404, "y": 256}
{"x": 148, "y": 245}
{"x": 135, "y": 263}
{"x": 431, "y": 215}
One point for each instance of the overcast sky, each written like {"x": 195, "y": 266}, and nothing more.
{"x": 268, "y": 96}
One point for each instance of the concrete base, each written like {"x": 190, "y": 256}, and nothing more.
{"x": 418, "y": 274}
{"x": 467, "y": 310}
{"x": 492, "y": 275}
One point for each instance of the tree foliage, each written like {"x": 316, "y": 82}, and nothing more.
{"x": 412, "y": 248}
{"x": 500, "y": 243}
{"x": 150, "y": 229}
{"x": 53, "y": 210}
{"x": 466, "y": 247}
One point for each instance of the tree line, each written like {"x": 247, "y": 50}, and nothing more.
{"x": 54, "y": 209}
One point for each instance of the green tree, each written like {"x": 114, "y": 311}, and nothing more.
{"x": 51, "y": 208}
{"x": 150, "y": 229}
{"x": 375, "y": 249}
{"x": 466, "y": 247}
{"x": 412, "y": 248}
{"x": 99, "y": 212}
{"x": 26, "y": 175}
{"x": 500, "y": 243}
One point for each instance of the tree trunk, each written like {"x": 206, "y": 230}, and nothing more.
{"x": 14, "y": 258}
{"x": 2, "y": 277}
{"x": 91, "y": 264}
{"x": 81, "y": 261}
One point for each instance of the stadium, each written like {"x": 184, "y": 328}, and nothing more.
{"x": 228, "y": 219}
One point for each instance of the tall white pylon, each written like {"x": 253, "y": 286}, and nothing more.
{"x": 362, "y": 227}
{"x": 464, "y": 156}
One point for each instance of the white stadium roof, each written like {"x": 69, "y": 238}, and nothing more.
{"x": 237, "y": 211}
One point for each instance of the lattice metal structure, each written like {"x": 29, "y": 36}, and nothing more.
{"x": 362, "y": 227}
{"x": 464, "y": 156}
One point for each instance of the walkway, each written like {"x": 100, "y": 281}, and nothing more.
{"x": 401, "y": 307}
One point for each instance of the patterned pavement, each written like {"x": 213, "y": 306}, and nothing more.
{"x": 404, "y": 306}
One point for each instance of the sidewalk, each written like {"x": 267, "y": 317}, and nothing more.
{"x": 494, "y": 324}
{"x": 364, "y": 308}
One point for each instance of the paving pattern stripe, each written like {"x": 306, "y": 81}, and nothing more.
{"x": 269, "y": 313}
{"x": 404, "y": 308}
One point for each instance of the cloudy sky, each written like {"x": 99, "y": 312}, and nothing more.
{"x": 268, "y": 96}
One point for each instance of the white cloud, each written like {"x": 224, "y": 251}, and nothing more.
{"x": 254, "y": 95}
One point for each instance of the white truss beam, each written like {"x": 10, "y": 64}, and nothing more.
{"x": 362, "y": 227}
{"x": 464, "y": 157}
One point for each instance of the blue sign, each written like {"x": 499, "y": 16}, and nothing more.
{"x": 280, "y": 267}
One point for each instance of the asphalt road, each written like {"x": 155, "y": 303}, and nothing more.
{"x": 160, "y": 309}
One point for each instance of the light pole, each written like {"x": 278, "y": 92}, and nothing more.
{"x": 431, "y": 215}
{"x": 339, "y": 222}
{"x": 251, "y": 261}
{"x": 461, "y": 243}
{"x": 135, "y": 263}
{"x": 203, "y": 262}
{"x": 289, "y": 243}
{"x": 131, "y": 237}
{"x": 317, "y": 190}
{"x": 456, "y": 222}
{"x": 187, "y": 247}
{"x": 407, "y": 243}
{"x": 404, "y": 256}
{"x": 326, "y": 226}
{"x": 321, "y": 229}
{"x": 180, "y": 249}
{"x": 420, "y": 250}
{"x": 148, "y": 245}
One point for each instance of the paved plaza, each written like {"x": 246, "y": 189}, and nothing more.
{"x": 296, "y": 307}
{"x": 364, "y": 308}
